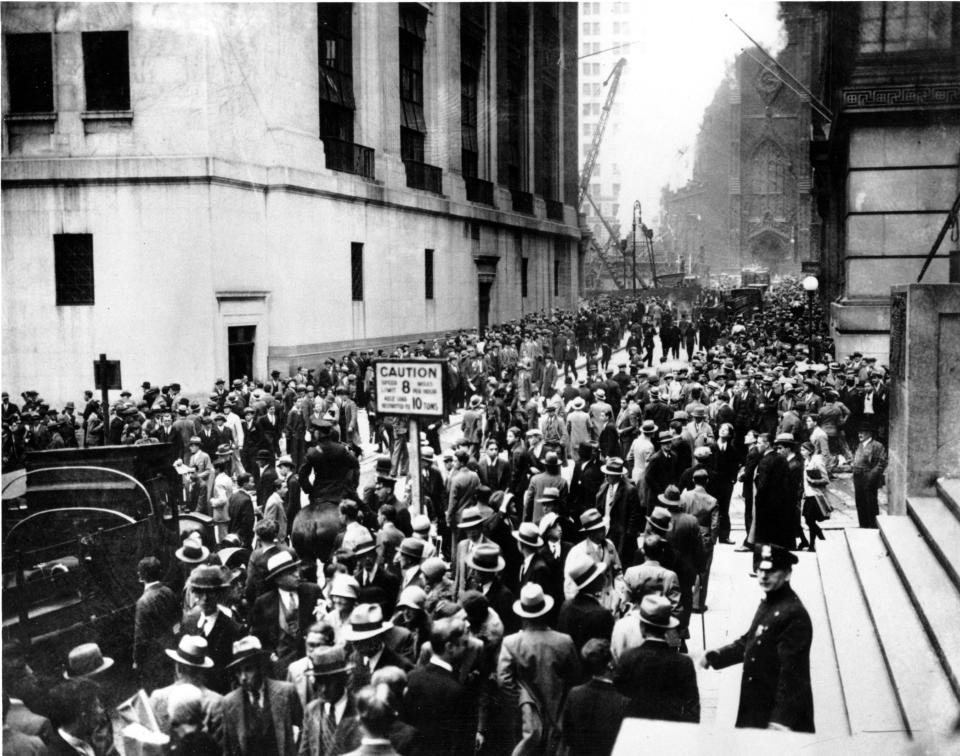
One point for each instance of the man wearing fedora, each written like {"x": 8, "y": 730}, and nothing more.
{"x": 470, "y": 527}
{"x": 366, "y": 639}
{"x": 209, "y": 585}
{"x": 869, "y": 462}
{"x": 649, "y": 577}
{"x": 598, "y": 547}
{"x": 619, "y": 502}
{"x": 191, "y": 666}
{"x": 538, "y": 666}
{"x": 775, "y": 690}
{"x": 330, "y": 724}
{"x": 486, "y": 564}
{"x": 260, "y": 714}
{"x": 640, "y": 451}
{"x": 661, "y": 470}
{"x": 583, "y": 617}
{"x": 551, "y": 477}
{"x": 773, "y": 498}
{"x": 462, "y": 485}
{"x": 586, "y": 479}
{"x": 533, "y": 566}
{"x": 264, "y": 475}
{"x": 280, "y": 618}
{"x": 436, "y": 703}
{"x": 660, "y": 682}
{"x": 372, "y": 572}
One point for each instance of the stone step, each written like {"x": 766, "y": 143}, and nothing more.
{"x": 949, "y": 490}
{"x": 870, "y": 699}
{"x": 922, "y": 687}
{"x": 830, "y": 716}
{"x": 935, "y": 597}
{"x": 941, "y": 530}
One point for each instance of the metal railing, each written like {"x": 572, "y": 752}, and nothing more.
{"x": 522, "y": 201}
{"x": 424, "y": 176}
{"x": 348, "y": 157}
{"x": 479, "y": 190}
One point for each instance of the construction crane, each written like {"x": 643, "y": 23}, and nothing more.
{"x": 614, "y": 81}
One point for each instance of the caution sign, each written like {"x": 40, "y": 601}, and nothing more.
{"x": 409, "y": 387}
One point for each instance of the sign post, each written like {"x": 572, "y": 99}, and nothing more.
{"x": 106, "y": 376}
{"x": 413, "y": 388}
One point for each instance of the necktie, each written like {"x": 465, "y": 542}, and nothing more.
{"x": 331, "y": 717}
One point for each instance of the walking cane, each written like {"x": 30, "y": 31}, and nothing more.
{"x": 703, "y": 629}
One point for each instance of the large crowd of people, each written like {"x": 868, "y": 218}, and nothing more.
{"x": 540, "y": 589}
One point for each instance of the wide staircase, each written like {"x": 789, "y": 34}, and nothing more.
{"x": 893, "y": 604}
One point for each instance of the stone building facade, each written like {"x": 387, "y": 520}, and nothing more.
{"x": 223, "y": 189}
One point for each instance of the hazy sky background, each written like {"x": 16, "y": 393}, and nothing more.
{"x": 681, "y": 52}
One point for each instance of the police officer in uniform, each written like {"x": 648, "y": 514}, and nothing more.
{"x": 775, "y": 690}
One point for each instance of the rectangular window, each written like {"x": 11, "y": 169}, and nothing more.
{"x": 596, "y": 72}
{"x": 413, "y": 125}
{"x": 73, "y": 268}
{"x": 106, "y": 70}
{"x": 513, "y": 95}
{"x": 596, "y": 27}
{"x": 30, "y": 72}
{"x": 523, "y": 276}
{"x": 335, "y": 47}
{"x": 556, "y": 278}
{"x": 586, "y": 28}
{"x": 586, "y": 89}
{"x": 356, "y": 271}
{"x": 428, "y": 273}
{"x": 472, "y": 33}
{"x": 897, "y": 27}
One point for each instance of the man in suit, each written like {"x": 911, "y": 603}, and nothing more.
{"x": 773, "y": 500}
{"x": 330, "y": 724}
{"x": 618, "y": 500}
{"x": 494, "y": 471}
{"x": 554, "y": 552}
{"x": 586, "y": 480}
{"x": 436, "y": 703}
{"x": 182, "y": 431}
{"x": 240, "y": 513}
{"x": 270, "y": 430}
{"x": 251, "y": 439}
{"x": 471, "y": 536}
{"x": 26, "y": 693}
{"x": 869, "y": 462}
{"x": 728, "y": 461}
{"x": 551, "y": 477}
{"x": 594, "y": 711}
{"x": 75, "y": 707}
{"x": 463, "y": 486}
{"x": 486, "y": 565}
{"x": 319, "y": 636}
{"x": 366, "y": 633}
{"x": 260, "y": 714}
{"x": 775, "y": 690}
{"x": 209, "y": 436}
{"x": 209, "y": 584}
{"x": 583, "y": 617}
{"x": 264, "y": 475}
{"x": 372, "y": 572}
{"x": 156, "y": 613}
{"x": 538, "y": 666}
{"x": 660, "y": 682}
{"x": 191, "y": 666}
{"x": 281, "y": 617}
{"x": 533, "y": 567}
{"x": 744, "y": 409}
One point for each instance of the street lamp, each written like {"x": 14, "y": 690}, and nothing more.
{"x": 637, "y": 220}
{"x": 810, "y": 285}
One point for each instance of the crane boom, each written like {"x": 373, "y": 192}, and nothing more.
{"x": 613, "y": 80}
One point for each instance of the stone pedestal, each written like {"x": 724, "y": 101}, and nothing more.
{"x": 924, "y": 390}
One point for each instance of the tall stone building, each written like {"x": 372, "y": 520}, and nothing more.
{"x": 212, "y": 190}
{"x": 749, "y": 202}
{"x": 886, "y": 162}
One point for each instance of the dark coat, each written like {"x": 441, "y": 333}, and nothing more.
{"x": 265, "y": 616}
{"x": 264, "y": 482}
{"x": 241, "y": 516}
{"x": 583, "y": 618}
{"x": 625, "y": 516}
{"x": 660, "y": 682}
{"x": 270, "y": 433}
{"x": 775, "y": 652}
{"x": 220, "y": 641}
{"x": 441, "y": 710}
{"x": 586, "y": 481}
{"x": 592, "y": 717}
{"x": 495, "y": 476}
{"x": 157, "y": 611}
{"x": 774, "y": 501}
{"x": 286, "y": 712}
{"x": 538, "y": 572}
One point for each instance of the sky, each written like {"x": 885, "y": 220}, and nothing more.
{"x": 679, "y": 58}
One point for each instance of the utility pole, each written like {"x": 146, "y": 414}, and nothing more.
{"x": 637, "y": 220}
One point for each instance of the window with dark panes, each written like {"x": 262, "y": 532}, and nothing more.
{"x": 890, "y": 27}
{"x": 523, "y": 276}
{"x": 471, "y": 52}
{"x": 513, "y": 44}
{"x": 546, "y": 103}
{"x": 30, "y": 72}
{"x": 106, "y": 70}
{"x": 413, "y": 124}
{"x": 428, "y": 273}
{"x": 556, "y": 278}
{"x": 335, "y": 41}
{"x": 73, "y": 268}
{"x": 356, "y": 271}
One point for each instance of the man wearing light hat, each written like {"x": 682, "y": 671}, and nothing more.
{"x": 486, "y": 564}
{"x": 471, "y": 535}
{"x": 191, "y": 664}
{"x": 599, "y": 548}
{"x": 660, "y": 682}
{"x": 533, "y": 567}
{"x": 775, "y": 690}
{"x": 366, "y": 633}
{"x": 583, "y": 617}
{"x": 538, "y": 666}
{"x": 619, "y": 502}
{"x": 280, "y": 617}
{"x": 551, "y": 477}
{"x": 641, "y": 449}
{"x": 259, "y": 714}
{"x": 421, "y": 525}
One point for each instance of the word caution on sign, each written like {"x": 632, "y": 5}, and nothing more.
{"x": 409, "y": 387}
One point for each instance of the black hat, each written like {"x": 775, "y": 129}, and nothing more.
{"x": 773, "y": 557}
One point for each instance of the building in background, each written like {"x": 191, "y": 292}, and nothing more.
{"x": 749, "y": 202}
{"x": 887, "y": 163}
{"x": 603, "y": 25}
{"x": 222, "y": 189}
